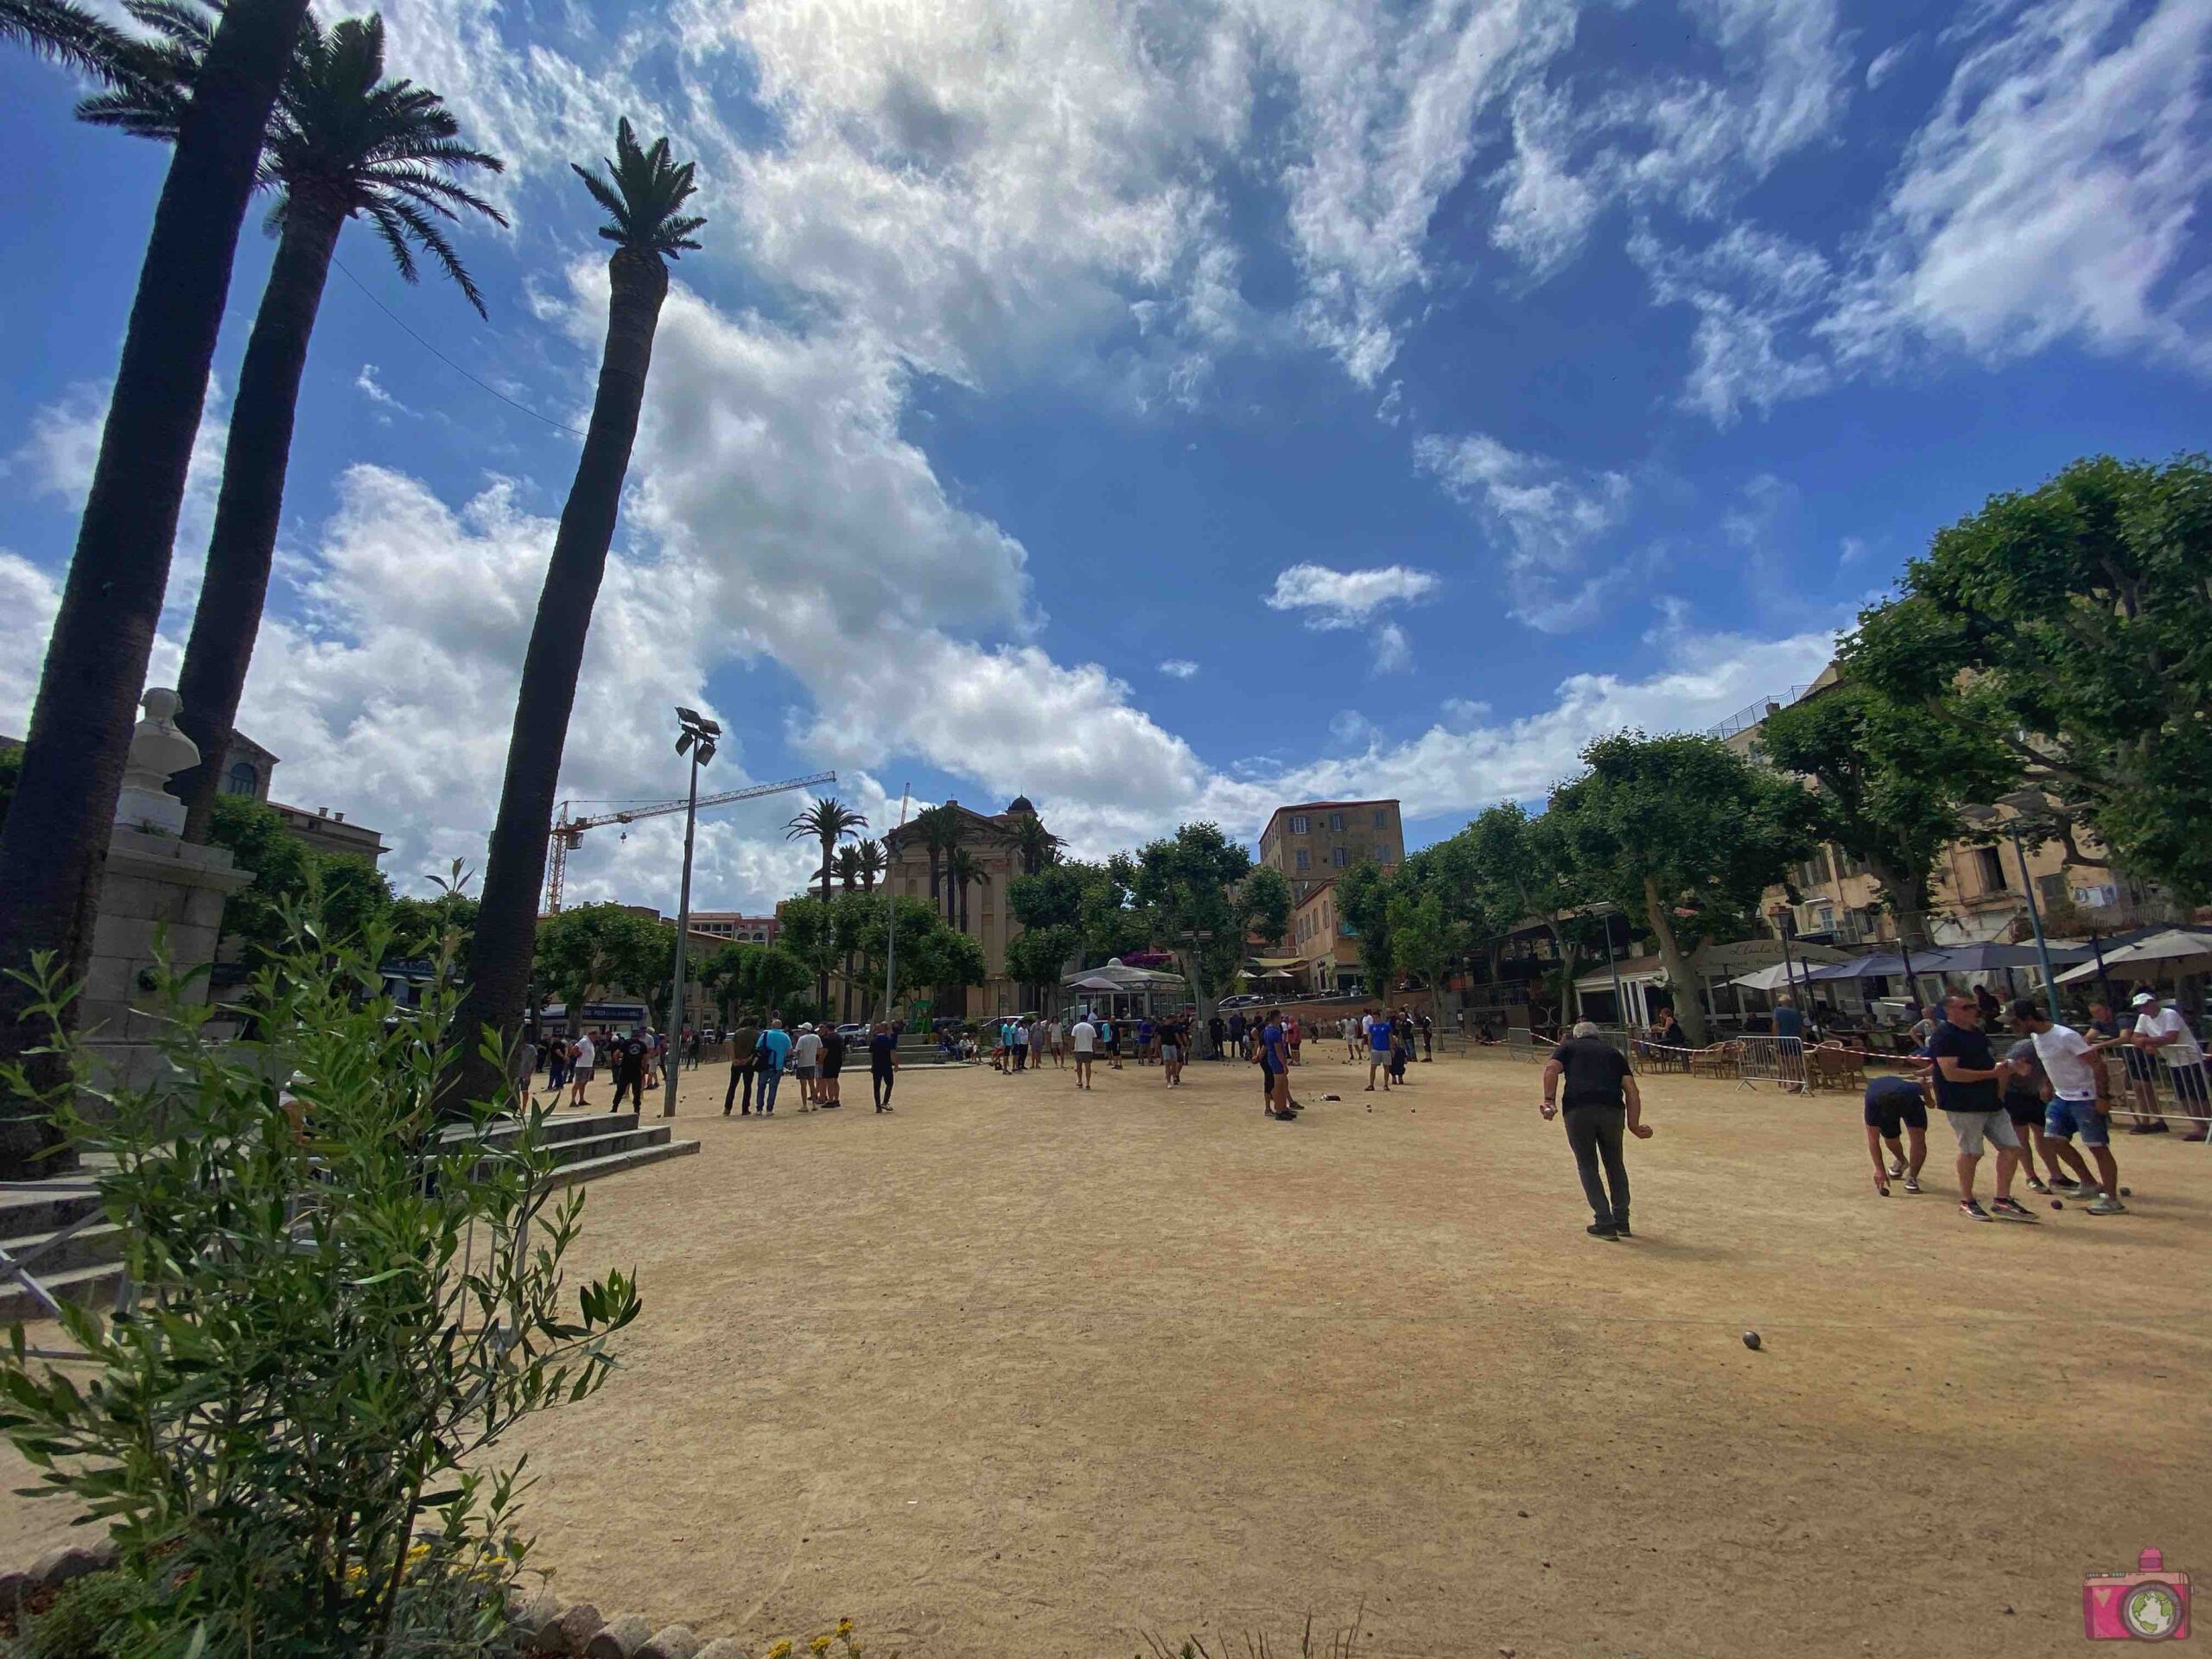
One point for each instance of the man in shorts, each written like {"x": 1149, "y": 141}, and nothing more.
{"x": 2070, "y": 1061}
{"x": 587, "y": 1057}
{"x": 832, "y": 1061}
{"x": 1895, "y": 1107}
{"x": 1170, "y": 1049}
{"x": 1083, "y": 1039}
{"x": 806, "y": 1052}
{"x": 2027, "y": 1092}
{"x": 1378, "y": 1052}
{"x": 1966, "y": 1078}
{"x": 1274, "y": 1070}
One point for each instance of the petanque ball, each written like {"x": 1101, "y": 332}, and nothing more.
{"x": 2127, "y": 1191}
{"x": 2058, "y": 1204}
{"x": 1752, "y": 1340}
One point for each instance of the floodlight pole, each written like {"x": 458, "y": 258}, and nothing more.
{"x": 2035, "y": 918}
{"x": 701, "y": 749}
{"x": 891, "y": 915}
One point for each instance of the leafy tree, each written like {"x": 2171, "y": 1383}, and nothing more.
{"x": 1424, "y": 938}
{"x": 1037, "y": 955}
{"x": 1363, "y": 902}
{"x": 1680, "y": 824}
{"x": 2070, "y": 629}
{"x": 644, "y": 192}
{"x": 347, "y": 889}
{"x": 585, "y": 953}
{"x": 1202, "y": 901}
{"x": 1527, "y": 874}
{"x": 103, "y": 635}
{"x": 291, "y": 1435}
{"x": 939, "y": 828}
{"x": 754, "y": 977}
{"x": 808, "y": 928}
{"x": 944, "y": 958}
{"x": 343, "y": 142}
{"x": 1889, "y": 778}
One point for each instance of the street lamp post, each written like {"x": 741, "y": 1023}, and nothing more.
{"x": 698, "y": 736}
{"x": 891, "y": 915}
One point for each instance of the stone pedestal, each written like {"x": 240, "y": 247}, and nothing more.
{"x": 154, "y": 885}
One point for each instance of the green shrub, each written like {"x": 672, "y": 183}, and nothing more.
{"x": 89, "y": 1619}
{"x": 343, "y": 1306}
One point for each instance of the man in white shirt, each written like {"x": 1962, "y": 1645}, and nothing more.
{"x": 2164, "y": 1032}
{"x": 587, "y": 1057}
{"x": 803, "y": 1060}
{"x": 1084, "y": 1039}
{"x": 2070, "y": 1061}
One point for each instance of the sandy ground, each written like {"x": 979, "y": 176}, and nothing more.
{"x": 1018, "y": 1370}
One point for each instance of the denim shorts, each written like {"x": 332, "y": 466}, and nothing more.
{"x": 1973, "y": 1128}
{"x": 2068, "y": 1118}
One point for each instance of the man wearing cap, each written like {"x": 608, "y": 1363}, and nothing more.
{"x": 2162, "y": 1033}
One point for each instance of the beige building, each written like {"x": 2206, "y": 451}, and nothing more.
{"x": 1322, "y": 941}
{"x": 989, "y": 840}
{"x": 730, "y": 926}
{"x": 1979, "y": 894}
{"x": 1317, "y": 841}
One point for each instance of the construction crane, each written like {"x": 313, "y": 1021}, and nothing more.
{"x": 569, "y": 833}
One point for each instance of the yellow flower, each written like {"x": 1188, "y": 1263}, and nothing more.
{"x": 781, "y": 1650}
{"x": 844, "y": 1627}
{"x": 820, "y": 1644}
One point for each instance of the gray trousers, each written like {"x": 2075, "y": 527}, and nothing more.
{"x": 1595, "y": 1134}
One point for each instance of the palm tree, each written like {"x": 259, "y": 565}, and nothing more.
{"x": 828, "y": 820}
{"x": 940, "y": 831}
{"x": 343, "y": 141}
{"x": 871, "y": 861}
{"x": 104, "y": 630}
{"x": 1035, "y": 845}
{"x": 644, "y": 192}
{"x": 69, "y": 35}
{"x": 962, "y": 870}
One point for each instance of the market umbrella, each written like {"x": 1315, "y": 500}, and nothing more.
{"x": 2172, "y": 952}
{"x": 1775, "y": 978}
{"x": 1992, "y": 955}
{"x": 1886, "y": 964}
{"x": 1096, "y": 984}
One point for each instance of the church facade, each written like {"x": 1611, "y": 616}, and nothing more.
{"x": 991, "y": 840}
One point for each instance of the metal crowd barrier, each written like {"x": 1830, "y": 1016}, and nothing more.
{"x": 1750, "y": 1061}
{"x": 2142, "y": 1087}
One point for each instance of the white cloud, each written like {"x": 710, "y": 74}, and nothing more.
{"x": 1548, "y": 515}
{"x": 1546, "y": 209}
{"x": 28, "y": 599}
{"x": 2051, "y": 194}
{"x": 370, "y": 387}
{"x": 1180, "y": 668}
{"x": 1383, "y": 123}
{"x": 1346, "y": 599}
{"x": 1393, "y": 652}
{"x": 1885, "y": 62}
{"x": 1750, "y": 289}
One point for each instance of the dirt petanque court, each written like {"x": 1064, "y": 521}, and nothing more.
{"x": 1019, "y": 1370}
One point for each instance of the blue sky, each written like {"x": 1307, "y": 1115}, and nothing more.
{"x": 1162, "y": 411}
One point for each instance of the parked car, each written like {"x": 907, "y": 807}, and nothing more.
{"x": 853, "y": 1030}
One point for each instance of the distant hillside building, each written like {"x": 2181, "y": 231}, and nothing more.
{"x": 1317, "y": 841}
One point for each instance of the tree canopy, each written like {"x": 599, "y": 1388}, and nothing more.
{"x": 592, "y": 949}
{"x": 2068, "y": 629}
{"x": 288, "y": 872}
{"x": 1202, "y": 901}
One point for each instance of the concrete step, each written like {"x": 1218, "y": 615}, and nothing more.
{"x": 590, "y": 1169}
{"x": 557, "y": 1128}
{"x": 34, "y": 1214}
{"x": 100, "y": 1242}
{"x": 85, "y": 1284}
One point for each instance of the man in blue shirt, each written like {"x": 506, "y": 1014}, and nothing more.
{"x": 775, "y": 1053}
{"x": 1274, "y": 1070}
{"x": 1378, "y": 1053}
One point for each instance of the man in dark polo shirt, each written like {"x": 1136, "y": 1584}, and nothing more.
{"x": 1967, "y": 1078}
{"x": 1601, "y": 1101}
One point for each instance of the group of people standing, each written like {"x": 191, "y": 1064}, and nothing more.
{"x": 814, "y": 1058}
{"x": 634, "y": 1059}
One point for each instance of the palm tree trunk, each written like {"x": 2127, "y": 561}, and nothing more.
{"x": 514, "y": 871}
{"x": 59, "y": 823}
{"x": 250, "y": 508}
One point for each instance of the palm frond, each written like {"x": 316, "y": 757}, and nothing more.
{"x": 65, "y": 33}
{"x": 642, "y": 192}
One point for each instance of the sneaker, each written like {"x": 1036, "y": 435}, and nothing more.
{"x": 2107, "y": 1205}
{"x": 1974, "y": 1212}
{"x": 2036, "y": 1185}
{"x": 2012, "y": 1210}
{"x": 1602, "y": 1230}
{"x": 1898, "y": 1173}
{"x": 2088, "y": 1191}
{"x": 1912, "y": 1184}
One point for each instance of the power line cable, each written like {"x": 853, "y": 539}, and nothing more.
{"x": 448, "y": 362}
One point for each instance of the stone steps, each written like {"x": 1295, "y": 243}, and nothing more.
{"x": 584, "y": 1146}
